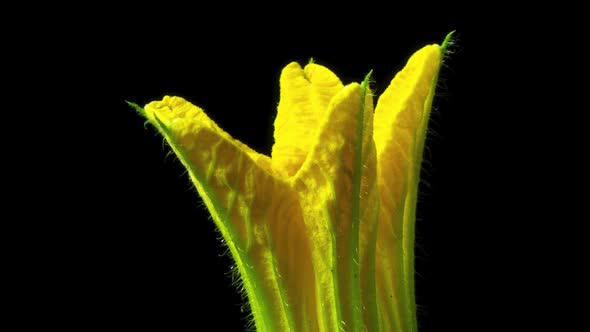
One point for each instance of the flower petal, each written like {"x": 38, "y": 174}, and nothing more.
{"x": 401, "y": 117}
{"x": 256, "y": 212}
{"x": 334, "y": 185}
{"x": 305, "y": 95}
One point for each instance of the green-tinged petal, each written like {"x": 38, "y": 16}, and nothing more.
{"x": 333, "y": 188}
{"x": 257, "y": 213}
{"x": 368, "y": 215}
{"x": 305, "y": 95}
{"x": 400, "y": 123}
{"x": 182, "y": 114}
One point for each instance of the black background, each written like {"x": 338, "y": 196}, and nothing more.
{"x": 142, "y": 251}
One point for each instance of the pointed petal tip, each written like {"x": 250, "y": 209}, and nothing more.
{"x": 137, "y": 108}
{"x": 448, "y": 38}
{"x": 367, "y": 81}
{"x": 448, "y": 41}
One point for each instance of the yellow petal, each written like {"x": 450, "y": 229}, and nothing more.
{"x": 333, "y": 186}
{"x": 227, "y": 173}
{"x": 401, "y": 117}
{"x": 305, "y": 95}
{"x": 257, "y": 213}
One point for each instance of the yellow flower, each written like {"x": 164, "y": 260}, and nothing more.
{"x": 322, "y": 232}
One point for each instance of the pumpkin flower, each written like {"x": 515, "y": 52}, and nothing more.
{"x": 322, "y": 231}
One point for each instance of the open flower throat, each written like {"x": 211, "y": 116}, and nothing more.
{"x": 322, "y": 231}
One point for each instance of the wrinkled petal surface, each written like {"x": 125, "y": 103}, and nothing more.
{"x": 305, "y": 95}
